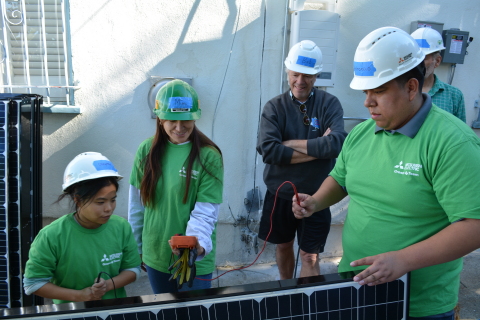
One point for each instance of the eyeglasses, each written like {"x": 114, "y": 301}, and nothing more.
{"x": 303, "y": 109}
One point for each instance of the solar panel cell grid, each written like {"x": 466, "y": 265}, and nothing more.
{"x": 4, "y": 298}
{"x": 2, "y": 219}
{"x": 343, "y": 300}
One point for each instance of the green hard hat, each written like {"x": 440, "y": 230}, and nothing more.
{"x": 177, "y": 100}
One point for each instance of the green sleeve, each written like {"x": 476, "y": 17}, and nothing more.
{"x": 42, "y": 257}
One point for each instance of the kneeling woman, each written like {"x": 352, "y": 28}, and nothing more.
{"x": 68, "y": 255}
{"x": 176, "y": 188}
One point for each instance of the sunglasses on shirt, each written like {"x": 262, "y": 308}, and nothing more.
{"x": 303, "y": 109}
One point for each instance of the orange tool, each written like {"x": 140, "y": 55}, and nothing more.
{"x": 180, "y": 242}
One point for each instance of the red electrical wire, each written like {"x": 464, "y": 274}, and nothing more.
{"x": 266, "y": 239}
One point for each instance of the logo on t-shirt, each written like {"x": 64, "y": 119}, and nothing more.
{"x": 115, "y": 257}
{"x": 408, "y": 169}
{"x": 183, "y": 173}
{"x": 315, "y": 124}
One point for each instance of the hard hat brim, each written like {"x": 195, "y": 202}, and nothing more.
{"x": 367, "y": 83}
{"x": 93, "y": 176}
{"x": 428, "y": 51}
{"x": 303, "y": 69}
{"x": 182, "y": 116}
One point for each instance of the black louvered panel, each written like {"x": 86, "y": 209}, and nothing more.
{"x": 4, "y": 250}
{"x": 20, "y": 191}
{"x": 15, "y": 268}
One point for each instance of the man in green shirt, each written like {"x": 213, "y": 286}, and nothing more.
{"x": 411, "y": 174}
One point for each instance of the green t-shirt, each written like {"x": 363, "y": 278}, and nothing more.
{"x": 405, "y": 190}
{"x": 169, "y": 215}
{"x": 74, "y": 256}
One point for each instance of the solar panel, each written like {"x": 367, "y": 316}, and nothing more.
{"x": 323, "y": 297}
{"x": 14, "y": 203}
{"x": 4, "y": 261}
{"x": 19, "y": 197}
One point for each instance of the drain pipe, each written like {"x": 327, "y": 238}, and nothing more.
{"x": 285, "y": 28}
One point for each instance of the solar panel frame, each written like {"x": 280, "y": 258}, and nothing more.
{"x": 31, "y": 124}
{"x": 302, "y": 298}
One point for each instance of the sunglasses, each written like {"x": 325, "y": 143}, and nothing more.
{"x": 303, "y": 109}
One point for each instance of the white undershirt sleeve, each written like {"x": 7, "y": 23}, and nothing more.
{"x": 136, "y": 212}
{"x": 202, "y": 222}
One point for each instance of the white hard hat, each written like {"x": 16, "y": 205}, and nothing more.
{"x": 87, "y": 166}
{"x": 430, "y": 40}
{"x": 383, "y": 55}
{"x": 304, "y": 57}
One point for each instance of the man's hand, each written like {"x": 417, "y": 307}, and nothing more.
{"x": 306, "y": 207}
{"x": 383, "y": 268}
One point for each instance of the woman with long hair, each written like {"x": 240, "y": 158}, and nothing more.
{"x": 176, "y": 187}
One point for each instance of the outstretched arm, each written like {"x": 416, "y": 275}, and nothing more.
{"x": 453, "y": 242}
{"x": 329, "y": 193}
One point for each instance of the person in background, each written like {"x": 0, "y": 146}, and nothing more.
{"x": 300, "y": 134}
{"x": 67, "y": 256}
{"x": 176, "y": 187}
{"x": 444, "y": 96}
{"x": 411, "y": 173}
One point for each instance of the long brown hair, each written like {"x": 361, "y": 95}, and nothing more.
{"x": 152, "y": 163}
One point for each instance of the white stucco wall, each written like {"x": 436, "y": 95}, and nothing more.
{"x": 232, "y": 50}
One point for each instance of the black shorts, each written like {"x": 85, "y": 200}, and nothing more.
{"x": 285, "y": 225}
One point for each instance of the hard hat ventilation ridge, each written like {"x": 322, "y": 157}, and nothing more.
{"x": 383, "y": 36}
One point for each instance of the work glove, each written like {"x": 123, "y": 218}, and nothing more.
{"x": 184, "y": 269}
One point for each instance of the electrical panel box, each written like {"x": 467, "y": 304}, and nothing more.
{"x": 455, "y": 42}
{"x": 426, "y": 24}
{"x": 321, "y": 27}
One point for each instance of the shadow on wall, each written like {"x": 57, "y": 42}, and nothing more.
{"x": 206, "y": 62}
{"x": 212, "y": 64}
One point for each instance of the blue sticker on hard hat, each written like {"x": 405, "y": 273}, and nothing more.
{"x": 365, "y": 68}
{"x": 306, "y": 61}
{"x": 422, "y": 43}
{"x": 103, "y": 165}
{"x": 180, "y": 103}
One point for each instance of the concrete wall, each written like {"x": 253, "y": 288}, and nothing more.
{"x": 233, "y": 52}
